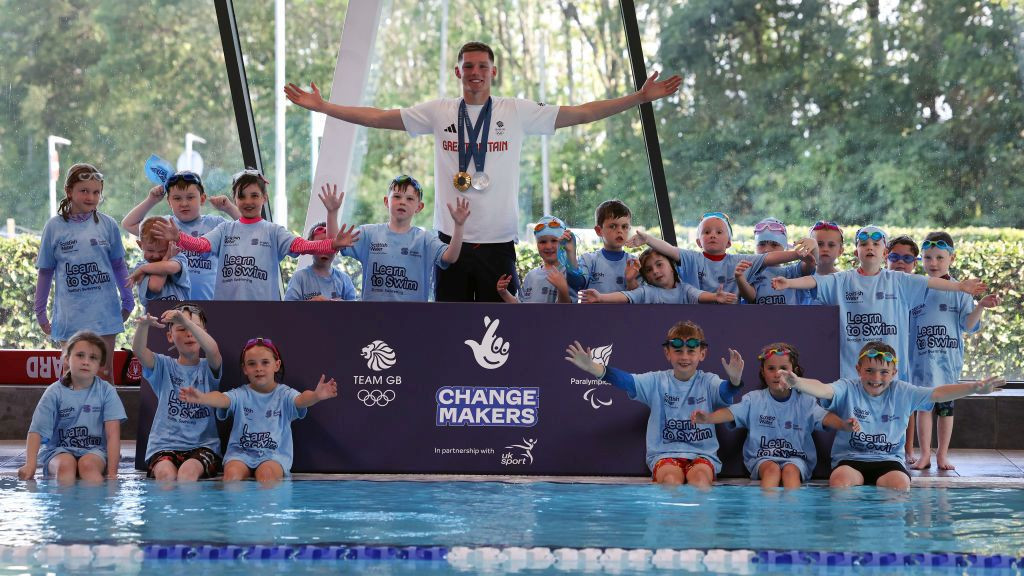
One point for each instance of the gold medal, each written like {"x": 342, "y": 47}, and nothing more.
{"x": 462, "y": 181}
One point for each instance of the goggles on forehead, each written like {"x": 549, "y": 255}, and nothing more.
{"x": 406, "y": 179}
{"x": 770, "y": 225}
{"x": 259, "y": 341}
{"x": 875, "y": 236}
{"x": 774, "y": 352}
{"x": 184, "y": 176}
{"x": 318, "y": 230}
{"x": 248, "y": 172}
{"x": 941, "y": 244}
{"x": 678, "y": 343}
{"x": 552, "y": 224}
{"x": 872, "y": 353}
{"x": 97, "y": 176}
{"x": 826, "y": 225}
{"x": 721, "y": 216}
{"x": 193, "y": 310}
{"x": 905, "y": 258}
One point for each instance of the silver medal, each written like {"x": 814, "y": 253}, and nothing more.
{"x": 481, "y": 181}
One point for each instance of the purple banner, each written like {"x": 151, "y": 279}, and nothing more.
{"x": 484, "y": 388}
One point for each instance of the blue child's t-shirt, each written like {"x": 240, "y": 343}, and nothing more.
{"x": 85, "y": 294}
{"x": 698, "y": 270}
{"x": 937, "y": 330}
{"x": 176, "y": 287}
{"x": 682, "y": 293}
{"x": 262, "y": 425}
{"x": 761, "y": 280}
{"x": 202, "y": 267}
{"x": 605, "y": 271}
{"x": 883, "y": 419}
{"x": 250, "y": 259}
{"x": 179, "y": 425}
{"x": 537, "y": 289}
{"x": 779, "y": 430}
{"x": 397, "y": 267}
{"x": 306, "y": 284}
{"x": 72, "y": 421}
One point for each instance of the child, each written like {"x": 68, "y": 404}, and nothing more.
{"x": 754, "y": 283}
{"x": 678, "y": 451}
{"x": 558, "y": 278}
{"x": 662, "y": 287}
{"x": 903, "y": 255}
{"x": 165, "y": 275}
{"x": 712, "y": 268}
{"x": 251, "y": 248}
{"x": 882, "y": 403}
{"x": 398, "y": 258}
{"x": 260, "y": 443}
{"x": 77, "y": 422}
{"x": 779, "y": 448}
{"x": 611, "y": 269}
{"x": 874, "y": 303}
{"x": 937, "y": 330}
{"x": 81, "y": 250}
{"x": 183, "y": 441}
{"x": 320, "y": 281}
{"x": 829, "y": 238}
{"x": 186, "y": 195}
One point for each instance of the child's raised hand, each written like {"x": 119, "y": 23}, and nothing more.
{"x": 734, "y": 366}
{"x": 789, "y": 378}
{"x": 145, "y": 321}
{"x": 805, "y": 246}
{"x": 135, "y": 277}
{"x": 166, "y": 230}
{"x": 632, "y": 269}
{"x": 326, "y": 389}
{"x": 189, "y": 394}
{"x": 345, "y": 238}
{"x": 308, "y": 100}
{"x": 460, "y": 213}
{"x": 568, "y": 241}
{"x": 723, "y": 297}
{"x": 581, "y": 358}
{"x": 741, "y": 268}
{"x": 172, "y": 316}
{"x": 851, "y": 425}
{"x": 780, "y": 283}
{"x": 589, "y": 296}
{"x": 639, "y": 239}
{"x": 988, "y": 385}
{"x": 699, "y": 417}
{"x": 503, "y": 282}
{"x": 973, "y": 286}
{"x": 330, "y": 197}
{"x": 220, "y": 202}
{"x": 990, "y": 301}
{"x": 157, "y": 192}
{"x": 557, "y": 279}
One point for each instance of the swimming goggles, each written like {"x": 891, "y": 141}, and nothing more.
{"x": 905, "y": 258}
{"x": 262, "y": 342}
{"x": 406, "y": 179}
{"x": 552, "y": 224}
{"x": 248, "y": 172}
{"x": 97, "y": 176}
{"x": 721, "y": 216}
{"x": 872, "y": 353}
{"x": 193, "y": 310}
{"x": 678, "y": 343}
{"x": 771, "y": 225}
{"x": 183, "y": 176}
{"x": 875, "y": 236}
{"x": 826, "y": 225}
{"x": 317, "y": 230}
{"x": 774, "y": 352}
{"x": 941, "y": 244}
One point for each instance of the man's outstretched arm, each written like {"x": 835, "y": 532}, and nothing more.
{"x": 653, "y": 89}
{"x": 362, "y": 115}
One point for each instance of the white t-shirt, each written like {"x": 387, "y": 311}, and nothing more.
{"x": 495, "y": 210}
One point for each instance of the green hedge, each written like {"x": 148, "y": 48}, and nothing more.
{"x": 994, "y": 255}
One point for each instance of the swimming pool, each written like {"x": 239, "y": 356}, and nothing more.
{"x": 498, "y": 527}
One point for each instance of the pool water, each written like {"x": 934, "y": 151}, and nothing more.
{"x": 496, "y": 515}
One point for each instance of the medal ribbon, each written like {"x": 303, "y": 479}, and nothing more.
{"x": 476, "y": 151}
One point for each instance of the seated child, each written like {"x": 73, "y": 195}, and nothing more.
{"x": 260, "y": 443}
{"x": 903, "y": 255}
{"x": 552, "y": 281}
{"x": 164, "y": 276}
{"x": 662, "y": 286}
{"x": 712, "y": 267}
{"x": 611, "y": 269}
{"x": 398, "y": 258}
{"x": 320, "y": 280}
{"x": 882, "y": 404}
{"x": 937, "y": 330}
{"x": 678, "y": 451}
{"x": 755, "y": 284}
{"x": 779, "y": 448}
{"x": 183, "y": 442}
{"x": 186, "y": 195}
{"x": 77, "y": 422}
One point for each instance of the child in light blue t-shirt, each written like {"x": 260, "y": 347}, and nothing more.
{"x": 678, "y": 450}
{"x": 183, "y": 442}
{"x": 320, "y": 281}
{"x": 937, "y": 330}
{"x": 661, "y": 286}
{"x": 186, "y": 195}
{"x": 164, "y": 275}
{"x": 558, "y": 278}
{"x": 398, "y": 258}
{"x": 611, "y": 269}
{"x": 779, "y": 449}
{"x": 260, "y": 443}
{"x": 77, "y": 422}
{"x": 755, "y": 283}
{"x": 882, "y": 404}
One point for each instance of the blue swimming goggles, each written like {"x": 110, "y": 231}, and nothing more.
{"x": 864, "y": 236}
{"x": 678, "y": 343}
{"x": 906, "y": 258}
{"x": 941, "y": 244}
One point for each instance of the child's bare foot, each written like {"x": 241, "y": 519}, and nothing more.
{"x": 944, "y": 463}
{"x": 923, "y": 463}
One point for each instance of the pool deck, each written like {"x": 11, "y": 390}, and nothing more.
{"x": 974, "y": 468}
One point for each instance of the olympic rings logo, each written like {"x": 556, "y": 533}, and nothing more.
{"x": 376, "y": 397}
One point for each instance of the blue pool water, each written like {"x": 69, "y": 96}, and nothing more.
{"x": 492, "y": 514}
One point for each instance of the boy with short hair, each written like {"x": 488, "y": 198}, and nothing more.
{"x": 881, "y": 403}
{"x": 678, "y": 450}
{"x": 937, "y": 330}
{"x": 611, "y": 269}
{"x": 165, "y": 275}
{"x": 186, "y": 195}
{"x": 903, "y": 254}
{"x": 398, "y": 258}
{"x": 712, "y": 268}
{"x": 557, "y": 279}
